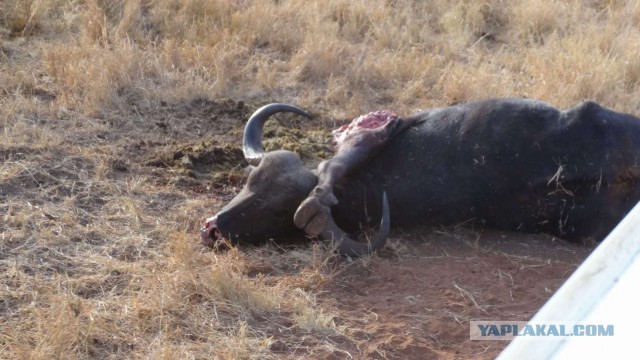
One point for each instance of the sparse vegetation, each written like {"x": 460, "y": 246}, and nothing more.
{"x": 117, "y": 137}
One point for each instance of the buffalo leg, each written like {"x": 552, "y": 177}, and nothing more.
{"x": 353, "y": 149}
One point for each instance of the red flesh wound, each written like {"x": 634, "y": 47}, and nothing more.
{"x": 371, "y": 120}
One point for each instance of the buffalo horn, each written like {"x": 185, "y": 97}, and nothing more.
{"x": 348, "y": 246}
{"x": 252, "y": 139}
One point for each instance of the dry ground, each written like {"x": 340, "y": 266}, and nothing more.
{"x": 120, "y": 125}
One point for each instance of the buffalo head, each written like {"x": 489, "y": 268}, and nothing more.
{"x": 278, "y": 183}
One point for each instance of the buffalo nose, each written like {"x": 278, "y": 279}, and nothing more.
{"x": 209, "y": 233}
{"x": 225, "y": 225}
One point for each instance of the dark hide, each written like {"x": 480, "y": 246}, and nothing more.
{"x": 508, "y": 163}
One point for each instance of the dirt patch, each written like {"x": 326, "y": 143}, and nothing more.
{"x": 311, "y": 145}
{"x": 415, "y": 298}
{"x": 218, "y": 165}
{"x": 418, "y": 304}
{"x": 198, "y": 117}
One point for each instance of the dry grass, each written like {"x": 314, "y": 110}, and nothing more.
{"x": 96, "y": 249}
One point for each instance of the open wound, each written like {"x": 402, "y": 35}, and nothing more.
{"x": 372, "y": 120}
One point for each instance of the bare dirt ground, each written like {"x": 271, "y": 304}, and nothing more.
{"x": 65, "y": 222}
{"x": 418, "y": 304}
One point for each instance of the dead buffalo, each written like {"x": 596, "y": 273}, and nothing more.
{"x": 505, "y": 163}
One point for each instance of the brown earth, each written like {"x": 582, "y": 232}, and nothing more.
{"x": 415, "y": 299}
{"x": 418, "y": 304}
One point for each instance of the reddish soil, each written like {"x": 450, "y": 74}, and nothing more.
{"x": 417, "y": 302}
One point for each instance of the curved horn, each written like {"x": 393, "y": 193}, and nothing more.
{"x": 350, "y": 247}
{"x": 252, "y": 139}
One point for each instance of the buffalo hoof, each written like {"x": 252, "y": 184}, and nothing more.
{"x": 312, "y": 215}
